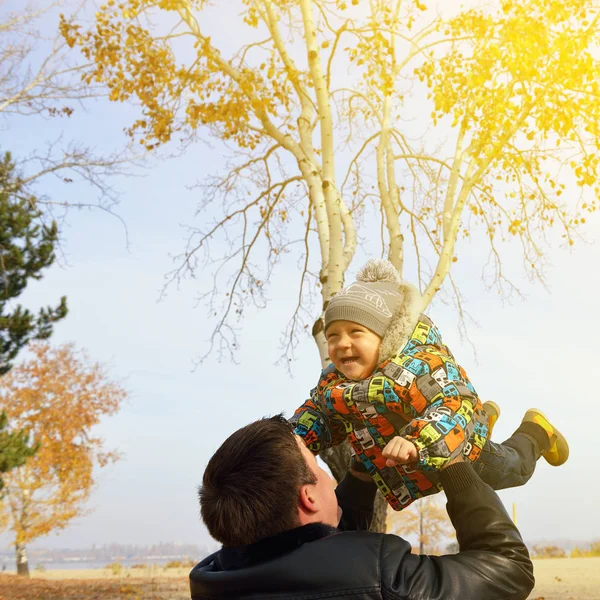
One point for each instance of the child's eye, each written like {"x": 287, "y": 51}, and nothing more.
{"x": 357, "y": 331}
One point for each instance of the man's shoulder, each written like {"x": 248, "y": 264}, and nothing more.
{"x": 345, "y": 543}
{"x": 346, "y": 540}
{"x": 380, "y": 544}
{"x": 323, "y": 564}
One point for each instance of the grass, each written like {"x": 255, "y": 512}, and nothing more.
{"x": 61, "y": 586}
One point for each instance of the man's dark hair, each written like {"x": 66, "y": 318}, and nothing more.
{"x": 250, "y": 486}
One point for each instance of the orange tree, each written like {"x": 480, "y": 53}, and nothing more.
{"x": 58, "y": 395}
{"x": 336, "y": 114}
{"x": 427, "y": 520}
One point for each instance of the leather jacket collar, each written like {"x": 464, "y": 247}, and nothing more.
{"x": 244, "y": 556}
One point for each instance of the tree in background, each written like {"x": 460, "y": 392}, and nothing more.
{"x": 58, "y": 395}
{"x": 427, "y": 520}
{"x": 591, "y": 549}
{"x": 540, "y": 551}
{"x": 39, "y": 78}
{"x": 27, "y": 248}
{"x": 15, "y": 448}
{"x": 482, "y": 124}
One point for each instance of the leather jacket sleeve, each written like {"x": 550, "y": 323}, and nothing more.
{"x": 355, "y": 498}
{"x": 493, "y": 562}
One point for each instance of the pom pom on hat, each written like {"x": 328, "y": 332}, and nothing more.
{"x": 378, "y": 270}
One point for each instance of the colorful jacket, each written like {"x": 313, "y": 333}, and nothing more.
{"x": 420, "y": 393}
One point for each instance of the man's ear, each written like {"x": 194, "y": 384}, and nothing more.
{"x": 308, "y": 499}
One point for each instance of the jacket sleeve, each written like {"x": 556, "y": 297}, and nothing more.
{"x": 442, "y": 431}
{"x": 449, "y": 415}
{"x": 493, "y": 562}
{"x": 318, "y": 430}
{"x": 355, "y": 498}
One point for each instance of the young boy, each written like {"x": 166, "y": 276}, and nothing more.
{"x": 397, "y": 394}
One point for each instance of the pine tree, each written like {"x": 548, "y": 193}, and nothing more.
{"x": 14, "y": 448}
{"x": 27, "y": 247}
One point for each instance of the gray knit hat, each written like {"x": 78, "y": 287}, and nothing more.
{"x": 380, "y": 301}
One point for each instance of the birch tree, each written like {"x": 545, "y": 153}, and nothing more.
{"x": 335, "y": 113}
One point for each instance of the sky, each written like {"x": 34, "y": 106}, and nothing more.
{"x": 540, "y": 352}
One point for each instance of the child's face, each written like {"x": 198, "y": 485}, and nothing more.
{"x": 353, "y": 349}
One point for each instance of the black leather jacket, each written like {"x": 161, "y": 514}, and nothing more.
{"x": 316, "y": 561}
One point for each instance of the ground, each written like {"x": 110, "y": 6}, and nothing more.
{"x": 557, "y": 579}
{"x": 98, "y": 584}
{"x": 567, "y": 579}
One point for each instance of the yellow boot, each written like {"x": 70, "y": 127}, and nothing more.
{"x": 492, "y": 410}
{"x": 559, "y": 449}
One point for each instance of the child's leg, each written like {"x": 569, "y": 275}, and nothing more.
{"x": 513, "y": 462}
{"x": 509, "y": 464}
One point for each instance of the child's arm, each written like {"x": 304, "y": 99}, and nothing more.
{"x": 440, "y": 433}
{"x": 319, "y": 431}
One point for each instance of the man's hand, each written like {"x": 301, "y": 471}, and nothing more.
{"x": 399, "y": 451}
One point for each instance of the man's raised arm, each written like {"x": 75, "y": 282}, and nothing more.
{"x": 492, "y": 564}
{"x": 356, "y": 495}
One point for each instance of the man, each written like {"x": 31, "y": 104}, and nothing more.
{"x": 277, "y": 514}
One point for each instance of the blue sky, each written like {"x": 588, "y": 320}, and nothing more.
{"x": 542, "y": 352}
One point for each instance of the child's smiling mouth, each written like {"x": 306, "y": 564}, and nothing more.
{"x": 349, "y": 360}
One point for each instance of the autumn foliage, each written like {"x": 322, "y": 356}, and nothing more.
{"x": 414, "y": 125}
{"x": 332, "y": 95}
{"x": 58, "y": 395}
{"x": 427, "y": 520}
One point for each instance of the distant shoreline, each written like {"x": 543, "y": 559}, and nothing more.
{"x": 150, "y": 572}
{"x": 154, "y": 567}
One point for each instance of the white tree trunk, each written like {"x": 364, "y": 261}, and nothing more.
{"x": 22, "y": 561}
{"x": 335, "y": 259}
